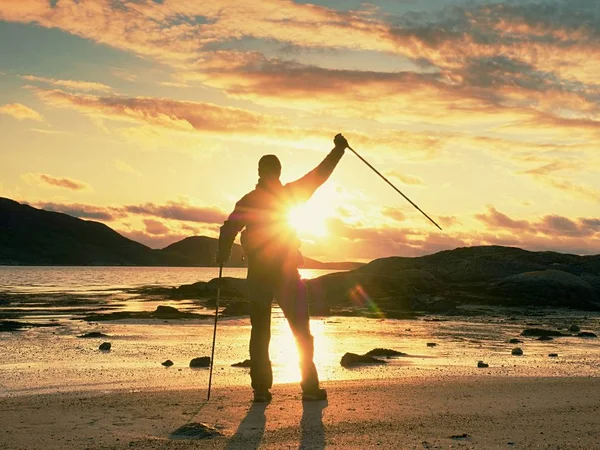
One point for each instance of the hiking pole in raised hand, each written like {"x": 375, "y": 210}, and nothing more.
{"x": 395, "y": 188}
{"x": 212, "y": 355}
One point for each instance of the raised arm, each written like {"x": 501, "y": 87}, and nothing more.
{"x": 302, "y": 189}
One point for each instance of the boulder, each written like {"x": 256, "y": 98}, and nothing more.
{"x": 195, "y": 431}
{"x": 431, "y": 344}
{"x": 93, "y": 334}
{"x": 203, "y": 361}
{"x": 545, "y": 338}
{"x": 391, "y": 291}
{"x": 105, "y": 346}
{"x": 384, "y": 352}
{"x": 195, "y": 290}
{"x": 550, "y": 287}
{"x": 352, "y": 359}
{"x": 515, "y": 341}
{"x": 517, "y": 352}
{"x": 163, "y": 310}
{"x": 553, "y": 355}
{"x": 537, "y": 332}
{"x": 482, "y": 365}
{"x": 237, "y": 308}
{"x": 244, "y": 363}
{"x": 167, "y": 363}
{"x": 574, "y": 329}
{"x": 230, "y": 287}
{"x": 586, "y": 334}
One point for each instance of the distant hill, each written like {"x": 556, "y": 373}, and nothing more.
{"x": 31, "y": 236}
{"x": 199, "y": 251}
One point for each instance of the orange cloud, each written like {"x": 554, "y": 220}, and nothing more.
{"x": 406, "y": 179}
{"x": 49, "y": 180}
{"x": 487, "y": 64}
{"x": 163, "y": 112}
{"x": 70, "y": 84}
{"x": 20, "y": 112}
{"x": 154, "y": 227}
{"x": 83, "y": 211}
{"x": 496, "y": 219}
{"x": 179, "y": 211}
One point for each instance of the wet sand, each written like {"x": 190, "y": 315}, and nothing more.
{"x": 480, "y": 412}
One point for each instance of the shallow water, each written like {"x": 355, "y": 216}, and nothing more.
{"x": 92, "y": 279}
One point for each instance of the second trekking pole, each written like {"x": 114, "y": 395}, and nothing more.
{"x": 212, "y": 355}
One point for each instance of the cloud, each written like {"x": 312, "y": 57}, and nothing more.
{"x": 179, "y": 211}
{"x": 563, "y": 226}
{"x": 394, "y": 213}
{"x": 154, "y": 227}
{"x": 49, "y": 180}
{"x": 172, "y": 211}
{"x": 124, "y": 74}
{"x": 176, "y": 32}
{"x": 449, "y": 221}
{"x": 122, "y": 166}
{"x": 551, "y": 38}
{"x": 82, "y": 211}
{"x": 174, "y": 84}
{"x": 551, "y": 225}
{"x": 496, "y": 219}
{"x": 542, "y": 175}
{"x": 163, "y": 112}
{"x": 70, "y": 84}
{"x": 20, "y": 112}
{"x": 406, "y": 179}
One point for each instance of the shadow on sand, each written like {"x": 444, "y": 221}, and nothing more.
{"x": 311, "y": 425}
{"x": 250, "y": 432}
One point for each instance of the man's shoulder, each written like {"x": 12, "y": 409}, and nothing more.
{"x": 248, "y": 197}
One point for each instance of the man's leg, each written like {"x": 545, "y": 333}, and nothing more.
{"x": 260, "y": 293}
{"x": 292, "y": 298}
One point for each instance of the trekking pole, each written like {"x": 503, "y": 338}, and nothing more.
{"x": 395, "y": 188}
{"x": 212, "y": 355}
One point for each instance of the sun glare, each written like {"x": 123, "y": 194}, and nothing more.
{"x": 309, "y": 220}
{"x": 284, "y": 352}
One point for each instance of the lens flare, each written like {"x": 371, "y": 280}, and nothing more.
{"x": 360, "y": 297}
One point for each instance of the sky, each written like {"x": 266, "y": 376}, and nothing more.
{"x": 150, "y": 116}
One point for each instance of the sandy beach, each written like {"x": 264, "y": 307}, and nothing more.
{"x": 59, "y": 391}
{"x": 463, "y": 412}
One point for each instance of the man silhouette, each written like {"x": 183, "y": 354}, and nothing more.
{"x": 272, "y": 248}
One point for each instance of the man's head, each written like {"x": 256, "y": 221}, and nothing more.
{"x": 269, "y": 167}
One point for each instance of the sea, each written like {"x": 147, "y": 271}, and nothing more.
{"x": 73, "y": 279}
{"x": 52, "y": 359}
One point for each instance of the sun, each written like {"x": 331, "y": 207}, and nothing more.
{"x": 309, "y": 220}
